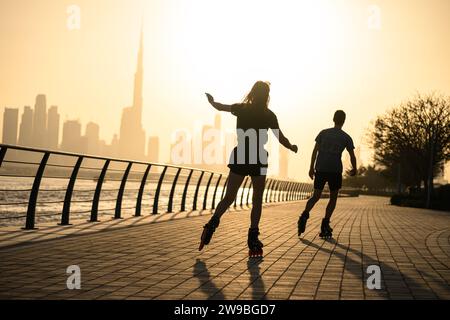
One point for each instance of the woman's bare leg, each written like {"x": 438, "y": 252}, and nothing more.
{"x": 234, "y": 182}
{"x": 259, "y": 183}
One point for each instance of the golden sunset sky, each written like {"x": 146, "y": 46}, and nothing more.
{"x": 319, "y": 56}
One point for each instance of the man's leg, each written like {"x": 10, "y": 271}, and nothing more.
{"x": 335, "y": 183}
{"x": 302, "y": 220}
{"x": 331, "y": 204}
{"x": 313, "y": 200}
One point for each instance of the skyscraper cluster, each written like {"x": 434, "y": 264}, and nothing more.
{"x": 40, "y": 128}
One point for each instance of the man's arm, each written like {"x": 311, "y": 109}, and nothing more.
{"x": 313, "y": 160}
{"x": 352, "y": 172}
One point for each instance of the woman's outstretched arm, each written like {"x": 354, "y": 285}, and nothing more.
{"x": 217, "y": 105}
{"x": 285, "y": 141}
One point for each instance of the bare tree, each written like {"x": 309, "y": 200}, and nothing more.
{"x": 413, "y": 139}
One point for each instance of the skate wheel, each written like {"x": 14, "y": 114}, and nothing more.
{"x": 255, "y": 253}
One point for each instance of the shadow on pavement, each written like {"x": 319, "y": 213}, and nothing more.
{"x": 256, "y": 281}
{"x": 389, "y": 274}
{"x": 201, "y": 272}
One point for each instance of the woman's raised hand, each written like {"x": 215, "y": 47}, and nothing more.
{"x": 210, "y": 98}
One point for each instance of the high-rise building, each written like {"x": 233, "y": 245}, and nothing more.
{"x": 10, "y": 124}
{"x": 53, "y": 128}
{"x": 40, "y": 122}
{"x": 132, "y": 135}
{"x": 114, "y": 148}
{"x": 26, "y": 127}
{"x": 153, "y": 149}
{"x": 71, "y": 137}
{"x": 92, "y": 138}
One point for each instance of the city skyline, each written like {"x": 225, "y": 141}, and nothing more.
{"x": 40, "y": 128}
{"x": 319, "y": 57}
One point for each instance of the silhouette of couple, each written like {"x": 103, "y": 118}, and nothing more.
{"x": 249, "y": 158}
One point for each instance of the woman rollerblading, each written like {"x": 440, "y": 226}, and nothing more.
{"x": 248, "y": 158}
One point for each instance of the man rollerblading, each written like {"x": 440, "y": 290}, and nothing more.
{"x": 326, "y": 167}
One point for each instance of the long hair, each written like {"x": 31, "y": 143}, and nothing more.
{"x": 259, "y": 95}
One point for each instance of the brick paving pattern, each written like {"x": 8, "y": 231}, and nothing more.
{"x": 162, "y": 261}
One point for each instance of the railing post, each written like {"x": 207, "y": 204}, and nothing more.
{"x": 248, "y": 193}
{"x": 194, "y": 204}
{"x": 286, "y": 191}
{"x": 294, "y": 186}
{"x": 289, "y": 191}
{"x": 2, "y": 155}
{"x": 302, "y": 190}
{"x": 273, "y": 190}
{"x": 205, "y": 199}
{"x": 213, "y": 206}
{"x": 158, "y": 191}
{"x": 280, "y": 192}
{"x": 65, "y": 216}
{"x": 172, "y": 191}
{"x": 269, "y": 185}
{"x": 98, "y": 190}
{"x": 141, "y": 191}
{"x": 186, "y": 186}
{"x": 31, "y": 212}
{"x": 117, "y": 214}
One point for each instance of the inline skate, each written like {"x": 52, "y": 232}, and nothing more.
{"x": 326, "y": 232}
{"x": 208, "y": 231}
{"x": 254, "y": 244}
{"x": 302, "y": 222}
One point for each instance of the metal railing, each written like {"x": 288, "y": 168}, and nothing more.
{"x": 157, "y": 187}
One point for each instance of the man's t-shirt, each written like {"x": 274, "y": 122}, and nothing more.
{"x": 252, "y": 125}
{"x": 332, "y": 143}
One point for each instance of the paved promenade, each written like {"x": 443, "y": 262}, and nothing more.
{"x": 161, "y": 260}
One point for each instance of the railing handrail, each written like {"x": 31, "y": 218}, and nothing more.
{"x": 276, "y": 190}
{"x": 94, "y": 157}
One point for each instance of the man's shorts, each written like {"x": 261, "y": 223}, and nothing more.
{"x": 334, "y": 180}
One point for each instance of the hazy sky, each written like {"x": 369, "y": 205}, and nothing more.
{"x": 319, "y": 56}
